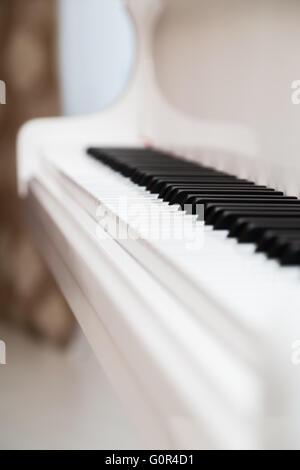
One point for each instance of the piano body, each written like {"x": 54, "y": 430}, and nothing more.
{"x": 201, "y": 344}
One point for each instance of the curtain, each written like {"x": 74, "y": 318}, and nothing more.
{"x": 29, "y": 297}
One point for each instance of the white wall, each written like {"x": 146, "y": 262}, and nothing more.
{"x": 96, "y": 53}
{"x": 234, "y": 61}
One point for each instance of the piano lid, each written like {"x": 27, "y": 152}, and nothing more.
{"x": 218, "y": 75}
{"x": 212, "y": 82}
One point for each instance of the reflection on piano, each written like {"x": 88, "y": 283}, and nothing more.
{"x": 197, "y": 338}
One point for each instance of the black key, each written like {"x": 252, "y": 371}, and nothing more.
{"x": 143, "y": 178}
{"x": 208, "y": 200}
{"x": 158, "y": 183}
{"x": 194, "y": 205}
{"x": 291, "y": 255}
{"x": 214, "y": 210}
{"x": 269, "y": 198}
{"x": 171, "y": 190}
{"x": 281, "y": 243}
{"x": 266, "y": 242}
{"x": 228, "y": 217}
{"x": 182, "y": 196}
{"x": 251, "y": 229}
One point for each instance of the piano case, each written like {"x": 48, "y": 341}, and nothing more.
{"x": 212, "y": 84}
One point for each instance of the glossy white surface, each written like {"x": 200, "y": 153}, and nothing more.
{"x": 234, "y": 331}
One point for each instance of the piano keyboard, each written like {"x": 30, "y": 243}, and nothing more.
{"x": 238, "y": 304}
{"x": 250, "y": 213}
{"x": 237, "y": 277}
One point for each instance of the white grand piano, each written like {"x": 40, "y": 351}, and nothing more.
{"x": 200, "y": 338}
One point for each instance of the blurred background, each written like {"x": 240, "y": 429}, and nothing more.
{"x": 52, "y": 391}
{"x": 29, "y": 69}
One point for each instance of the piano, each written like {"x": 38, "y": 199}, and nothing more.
{"x": 171, "y": 222}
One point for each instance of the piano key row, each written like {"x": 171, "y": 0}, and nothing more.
{"x": 250, "y": 212}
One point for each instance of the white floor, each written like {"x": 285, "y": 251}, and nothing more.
{"x": 58, "y": 400}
